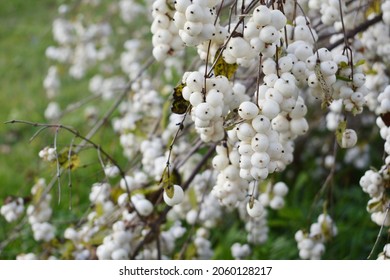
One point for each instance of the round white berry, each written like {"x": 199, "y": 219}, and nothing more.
{"x": 255, "y": 208}
{"x": 248, "y": 110}
{"x": 177, "y": 197}
{"x": 280, "y": 189}
{"x": 262, "y": 15}
{"x": 349, "y": 138}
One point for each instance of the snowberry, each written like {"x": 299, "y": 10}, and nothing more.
{"x": 259, "y": 143}
{"x": 261, "y": 124}
{"x": 280, "y": 189}
{"x": 238, "y": 47}
{"x": 262, "y": 15}
{"x": 278, "y": 19}
{"x": 255, "y": 208}
{"x": 143, "y": 206}
{"x": 299, "y": 126}
{"x": 220, "y": 162}
{"x": 193, "y": 28}
{"x": 328, "y": 67}
{"x": 196, "y": 98}
{"x": 204, "y": 111}
{"x": 260, "y": 160}
{"x": 277, "y": 202}
{"x": 248, "y": 110}
{"x": 177, "y": 197}
{"x": 349, "y": 138}
{"x": 245, "y": 132}
{"x": 259, "y": 173}
{"x": 194, "y": 13}
{"x": 269, "y": 108}
{"x": 269, "y": 34}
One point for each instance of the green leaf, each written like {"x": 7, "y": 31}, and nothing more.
{"x": 343, "y": 65}
{"x": 338, "y": 77}
{"x": 223, "y": 68}
{"x": 360, "y": 62}
{"x": 179, "y": 104}
{"x": 340, "y": 131}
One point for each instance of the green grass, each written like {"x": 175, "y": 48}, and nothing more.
{"x": 25, "y": 33}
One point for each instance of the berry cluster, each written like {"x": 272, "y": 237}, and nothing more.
{"x": 12, "y": 209}
{"x": 40, "y": 213}
{"x": 195, "y": 20}
{"x": 239, "y": 251}
{"x": 311, "y": 245}
{"x": 164, "y": 29}
{"x": 274, "y": 195}
{"x": 211, "y": 100}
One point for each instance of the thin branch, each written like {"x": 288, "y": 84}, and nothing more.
{"x": 364, "y": 26}
{"x": 379, "y": 233}
{"x": 57, "y": 165}
{"x": 161, "y": 218}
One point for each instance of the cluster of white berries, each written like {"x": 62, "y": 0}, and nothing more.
{"x": 143, "y": 106}
{"x": 330, "y": 11}
{"x": 257, "y": 230}
{"x": 79, "y": 45}
{"x": 116, "y": 246}
{"x": 12, "y": 209}
{"x": 323, "y": 69}
{"x": 262, "y": 34}
{"x": 40, "y": 212}
{"x": 195, "y": 20}
{"x": 384, "y": 102}
{"x": 48, "y": 154}
{"x": 107, "y": 88}
{"x": 265, "y": 137}
{"x": 239, "y": 251}
{"x": 376, "y": 82}
{"x": 203, "y": 244}
{"x": 29, "y": 256}
{"x": 199, "y": 206}
{"x": 274, "y": 195}
{"x": 374, "y": 184}
{"x": 311, "y": 245}
{"x": 211, "y": 101}
{"x": 230, "y": 188}
{"x": 166, "y": 41}
{"x": 385, "y": 254}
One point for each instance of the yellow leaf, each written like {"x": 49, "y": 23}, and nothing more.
{"x": 115, "y": 193}
{"x": 373, "y": 8}
{"x": 326, "y": 90}
{"x": 179, "y": 104}
{"x": 223, "y": 68}
{"x": 38, "y": 194}
{"x": 169, "y": 190}
{"x": 68, "y": 160}
{"x": 340, "y": 131}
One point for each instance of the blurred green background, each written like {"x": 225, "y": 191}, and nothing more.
{"x": 25, "y": 33}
